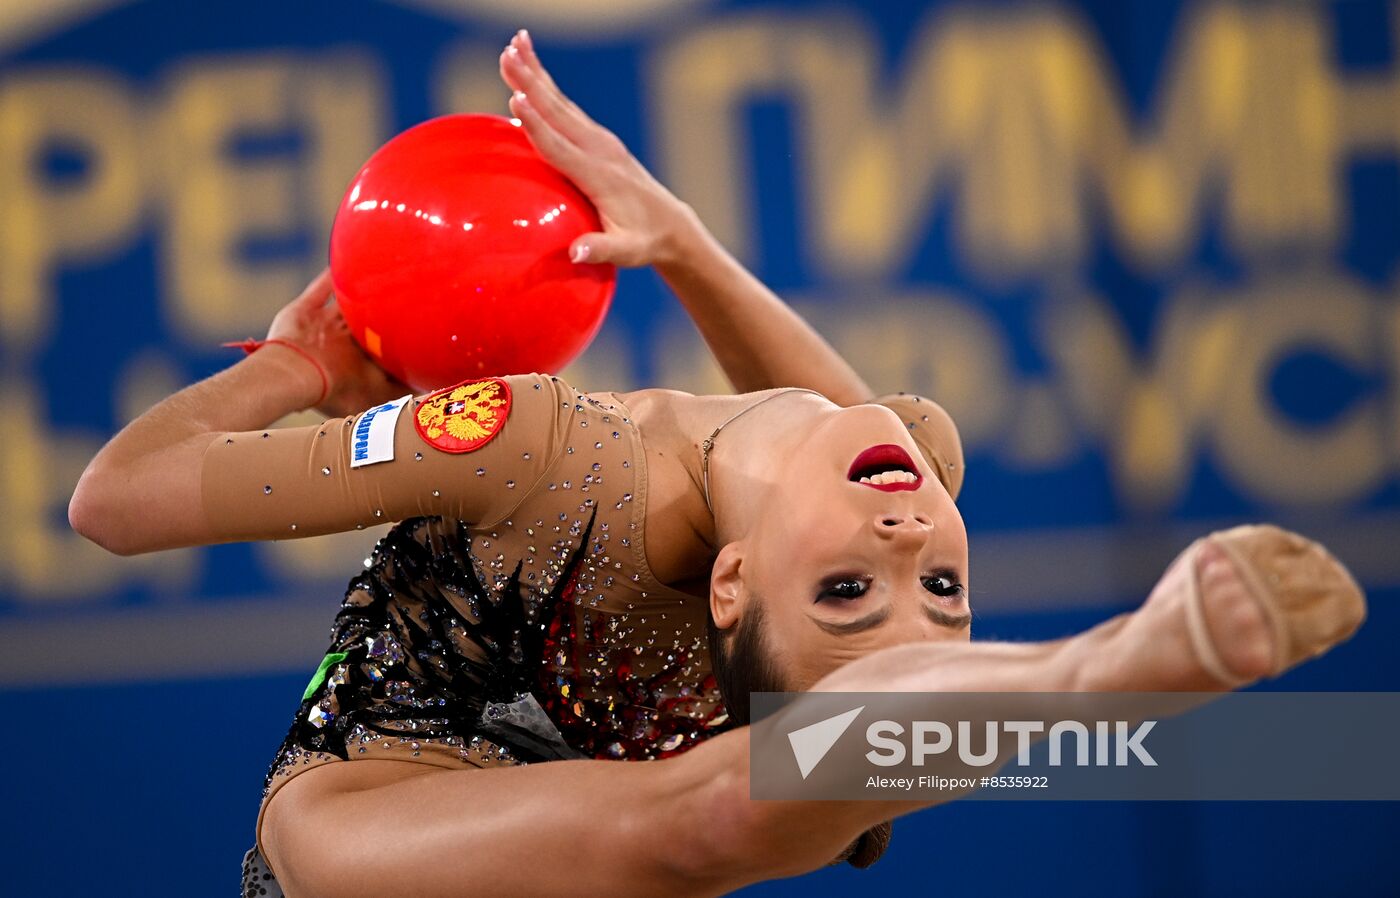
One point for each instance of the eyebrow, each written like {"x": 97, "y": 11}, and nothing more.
{"x": 882, "y": 614}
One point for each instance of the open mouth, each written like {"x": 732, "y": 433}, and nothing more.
{"x": 885, "y": 467}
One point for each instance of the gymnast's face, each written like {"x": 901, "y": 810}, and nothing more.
{"x": 845, "y": 567}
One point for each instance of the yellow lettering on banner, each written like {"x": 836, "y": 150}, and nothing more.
{"x": 822, "y": 62}
{"x": 1204, "y": 383}
{"x": 1147, "y": 414}
{"x": 1277, "y": 460}
{"x": 343, "y": 114}
{"x": 217, "y": 201}
{"x": 934, "y": 344}
{"x": 1249, "y": 106}
{"x": 467, "y": 79}
{"x": 964, "y": 120}
{"x": 1016, "y": 117}
{"x": 1200, "y": 384}
{"x": 77, "y": 110}
{"x": 929, "y": 343}
{"x": 1366, "y": 117}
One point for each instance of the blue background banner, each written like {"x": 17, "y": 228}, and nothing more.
{"x": 1144, "y": 253}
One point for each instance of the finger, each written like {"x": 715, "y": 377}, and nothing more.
{"x": 551, "y": 102}
{"x": 599, "y": 248}
{"x": 532, "y": 80}
{"x": 558, "y": 151}
{"x": 526, "y": 47}
{"x": 526, "y": 43}
{"x": 510, "y": 72}
{"x": 317, "y": 292}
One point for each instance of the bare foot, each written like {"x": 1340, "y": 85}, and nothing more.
{"x": 1235, "y": 621}
{"x": 1231, "y": 637}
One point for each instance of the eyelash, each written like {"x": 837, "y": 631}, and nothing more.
{"x": 833, "y": 589}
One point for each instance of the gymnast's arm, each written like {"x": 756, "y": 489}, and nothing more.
{"x": 685, "y": 825}
{"x": 759, "y": 341}
{"x": 143, "y": 491}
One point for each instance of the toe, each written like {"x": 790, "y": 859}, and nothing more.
{"x": 1237, "y": 625}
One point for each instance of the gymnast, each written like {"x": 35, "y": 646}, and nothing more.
{"x": 541, "y": 678}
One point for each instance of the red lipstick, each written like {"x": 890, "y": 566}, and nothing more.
{"x": 885, "y": 457}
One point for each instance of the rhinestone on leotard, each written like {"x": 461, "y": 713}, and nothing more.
{"x": 614, "y": 688}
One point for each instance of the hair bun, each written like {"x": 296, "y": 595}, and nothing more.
{"x": 867, "y": 848}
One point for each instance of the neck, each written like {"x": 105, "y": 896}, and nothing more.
{"x": 748, "y": 456}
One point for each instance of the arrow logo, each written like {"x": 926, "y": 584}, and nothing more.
{"x": 811, "y": 743}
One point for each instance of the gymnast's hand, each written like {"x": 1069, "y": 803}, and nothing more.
{"x": 757, "y": 339}
{"x": 313, "y": 323}
{"x": 643, "y": 222}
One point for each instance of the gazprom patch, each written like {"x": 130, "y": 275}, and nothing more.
{"x": 372, "y": 437}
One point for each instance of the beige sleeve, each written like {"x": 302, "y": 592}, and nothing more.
{"x": 294, "y": 482}
{"x": 935, "y": 433}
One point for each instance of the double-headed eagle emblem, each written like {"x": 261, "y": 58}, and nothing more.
{"x": 464, "y": 417}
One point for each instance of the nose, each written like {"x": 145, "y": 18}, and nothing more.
{"x": 904, "y": 526}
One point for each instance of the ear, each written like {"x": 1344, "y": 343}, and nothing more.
{"x": 726, "y": 586}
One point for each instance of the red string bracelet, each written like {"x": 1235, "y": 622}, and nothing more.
{"x": 250, "y": 346}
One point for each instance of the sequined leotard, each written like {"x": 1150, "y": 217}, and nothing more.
{"x": 511, "y": 616}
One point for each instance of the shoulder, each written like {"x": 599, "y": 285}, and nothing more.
{"x": 935, "y": 432}
{"x": 487, "y": 415}
{"x": 653, "y": 398}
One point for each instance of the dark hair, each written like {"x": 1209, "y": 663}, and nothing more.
{"x": 742, "y": 665}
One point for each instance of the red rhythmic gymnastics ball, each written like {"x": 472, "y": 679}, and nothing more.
{"x": 450, "y": 256}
